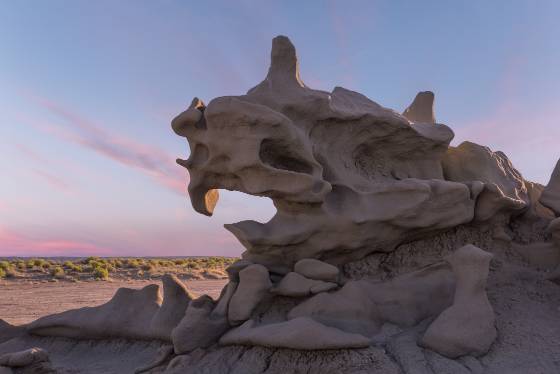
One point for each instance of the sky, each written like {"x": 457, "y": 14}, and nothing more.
{"x": 88, "y": 90}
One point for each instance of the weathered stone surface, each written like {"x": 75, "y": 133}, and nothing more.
{"x": 24, "y": 358}
{"x": 504, "y": 187}
{"x": 315, "y": 269}
{"x": 8, "y": 331}
{"x": 466, "y": 327}
{"x": 422, "y": 108}
{"x": 296, "y": 285}
{"x": 198, "y": 328}
{"x": 176, "y": 298}
{"x": 550, "y": 196}
{"x": 254, "y": 284}
{"x": 363, "y": 306}
{"x": 234, "y": 269}
{"x": 127, "y": 315}
{"x": 299, "y": 333}
{"x": 348, "y": 177}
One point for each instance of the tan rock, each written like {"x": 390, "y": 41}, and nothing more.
{"x": 466, "y": 327}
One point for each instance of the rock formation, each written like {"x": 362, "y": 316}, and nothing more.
{"x": 466, "y": 327}
{"x": 377, "y": 259}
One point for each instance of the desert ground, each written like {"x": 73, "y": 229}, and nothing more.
{"x": 32, "y": 288}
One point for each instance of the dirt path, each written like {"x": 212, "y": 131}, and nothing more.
{"x": 23, "y": 302}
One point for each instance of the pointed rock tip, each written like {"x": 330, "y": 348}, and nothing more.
{"x": 283, "y": 58}
{"x": 422, "y": 108}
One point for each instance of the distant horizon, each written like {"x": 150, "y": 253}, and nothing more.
{"x": 86, "y": 102}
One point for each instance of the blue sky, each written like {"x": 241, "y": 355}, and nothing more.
{"x": 88, "y": 89}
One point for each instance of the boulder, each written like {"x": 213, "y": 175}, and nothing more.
{"x": 318, "y": 270}
{"x": 296, "y": 285}
{"x": 254, "y": 284}
{"x": 300, "y": 333}
{"x": 176, "y": 298}
{"x": 422, "y": 108}
{"x": 128, "y": 314}
{"x": 550, "y": 196}
{"x": 467, "y": 326}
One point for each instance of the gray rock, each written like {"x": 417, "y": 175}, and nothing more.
{"x": 127, "y": 315}
{"x": 318, "y": 270}
{"x": 299, "y": 333}
{"x": 198, "y": 328}
{"x": 466, "y": 327}
{"x": 422, "y": 108}
{"x": 296, "y": 285}
{"x": 254, "y": 284}
{"x": 550, "y": 196}
{"x": 176, "y": 298}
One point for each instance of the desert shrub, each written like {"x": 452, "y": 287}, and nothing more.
{"x": 21, "y": 265}
{"x": 2, "y": 273}
{"x": 46, "y": 265}
{"x": 5, "y": 265}
{"x": 101, "y": 273}
{"x": 132, "y": 263}
{"x": 180, "y": 262}
{"x": 148, "y": 267}
{"x": 58, "y": 272}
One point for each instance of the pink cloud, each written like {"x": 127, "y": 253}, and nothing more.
{"x": 15, "y": 244}
{"x": 150, "y": 160}
{"x": 53, "y": 180}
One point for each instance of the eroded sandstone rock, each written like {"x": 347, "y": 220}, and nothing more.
{"x": 422, "y": 108}
{"x": 254, "y": 284}
{"x": 466, "y": 327}
{"x": 348, "y": 177}
{"x": 199, "y": 328}
{"x": 299, "y": 333}
{"x": 550, "y": 196}
{"x": 296, "y": 285}
{"x": 176, "y": 298}
{"x": 363, "y": 306}
{"x": 315, "y": 269}
{"x": 127, "y": 315}
{"x": 24, "y": 358}
{"x": 504, "y": 187}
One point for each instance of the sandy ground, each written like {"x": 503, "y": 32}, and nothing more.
{"x": 23, "y": 302}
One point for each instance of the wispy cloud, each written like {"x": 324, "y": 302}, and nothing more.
{"x": 150, "y": 160}
{"x": 15, "y": 244}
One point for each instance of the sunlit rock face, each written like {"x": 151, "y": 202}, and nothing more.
{"x": 347, "y": 176}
